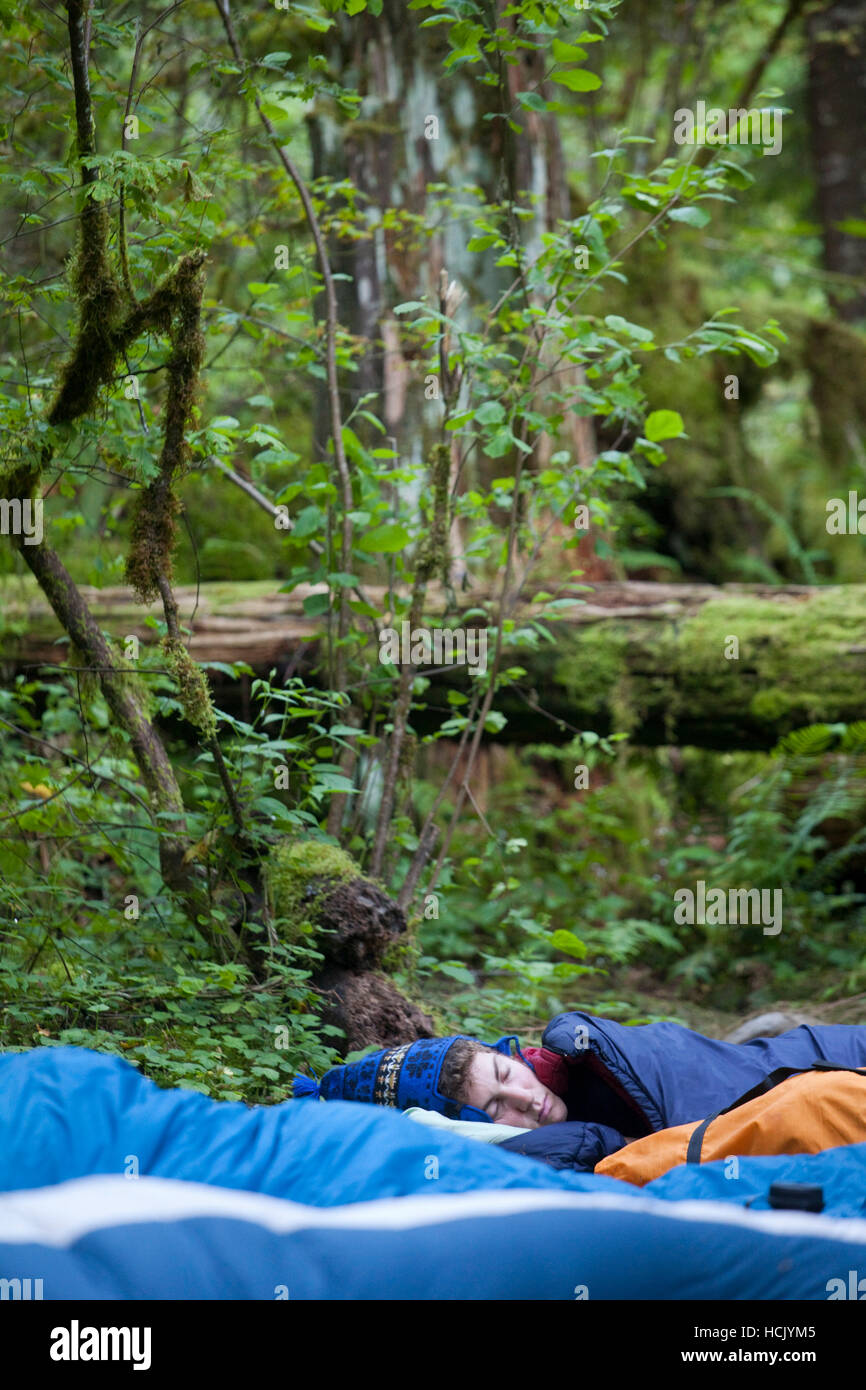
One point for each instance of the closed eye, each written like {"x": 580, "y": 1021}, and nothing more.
{"x": 493, "y": 1107}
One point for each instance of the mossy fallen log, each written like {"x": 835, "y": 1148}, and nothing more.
{"x": 726, "y": 668}
{"x": 736, "y": 666}
{"x": 740, "y": 670}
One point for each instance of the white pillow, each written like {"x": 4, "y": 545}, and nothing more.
{"x": 473, "y": 1129}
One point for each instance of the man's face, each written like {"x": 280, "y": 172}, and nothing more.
{"x": 509, "y": 1092}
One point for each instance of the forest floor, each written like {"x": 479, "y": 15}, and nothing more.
{"x": 718, "y": 1023}
{"x": 648, "y": 997}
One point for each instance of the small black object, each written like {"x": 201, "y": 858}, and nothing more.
{"x": 796, "y": 1196}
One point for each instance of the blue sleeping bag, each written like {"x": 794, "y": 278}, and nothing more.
{"x": 67, "y": 1112}
{"x": 113, "y": 1188}
{"x": 108, "y": 1238}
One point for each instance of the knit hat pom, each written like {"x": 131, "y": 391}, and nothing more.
{"x": 304, "y": 1088}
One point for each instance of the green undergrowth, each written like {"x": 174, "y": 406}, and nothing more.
{"x": 576, "y": 887}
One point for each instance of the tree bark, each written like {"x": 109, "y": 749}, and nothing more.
{"x": 356, "y": 928}
{"x": 837, "y": 108}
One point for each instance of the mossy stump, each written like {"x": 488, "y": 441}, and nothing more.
{"x": 321, "y": 895}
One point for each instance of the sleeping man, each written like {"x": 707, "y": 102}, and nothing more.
{"x": 592, "y": 1087}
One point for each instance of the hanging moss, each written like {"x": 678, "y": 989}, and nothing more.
{"x": 192, "y": 687}
{"x": 836, "y": 358}
{"x": 436, "y": 541}
{"x": 152, "y": 540}
{"x": 177, "y": 305}
{"x": 100, "y": 300}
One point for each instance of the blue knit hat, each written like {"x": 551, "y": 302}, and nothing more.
{"x": 401, "y": 1077}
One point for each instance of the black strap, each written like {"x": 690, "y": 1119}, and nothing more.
{"x": 696, "y": 1141}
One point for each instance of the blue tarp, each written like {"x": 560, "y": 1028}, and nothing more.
{"x": 458, "y": 1220}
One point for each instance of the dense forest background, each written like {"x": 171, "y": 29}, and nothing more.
{"x": 324, "y": 317}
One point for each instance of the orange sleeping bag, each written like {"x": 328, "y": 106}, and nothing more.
{"x": 808, "y": 1112}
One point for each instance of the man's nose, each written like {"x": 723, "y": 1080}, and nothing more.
{"x": 519, "y": 1096}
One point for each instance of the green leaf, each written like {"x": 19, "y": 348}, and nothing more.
{"x": 270, "y": 806}
{"x": 499, "y": 443}
{"x": 567, "y": 52}
{"x": 808, "y": 741}
{"x": 569, "y": 943}
{"x": 694, "y": 217}
{"x": 664, "y": 424}
{"x": 735, "y": 174}
{"x": 490, "y": 413}
{"x": 577, "y": 80}
{"x": 456, "y": 972}
{"x": 532, "y": 101}
{"x": 494, "y": 722}
{"x": 759, "y": 351}
{"x": 334, "y": 782}
{"x": 385, "y": 539}
{"x": 316, "y": 604}
{"x": 632, "y": 330}
{"x": 307, "y": 522}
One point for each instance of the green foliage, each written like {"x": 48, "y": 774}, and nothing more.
{"x": 96, "y": 951}
{"x": 194, "y": 1024}
{"x": 588, "y": 887}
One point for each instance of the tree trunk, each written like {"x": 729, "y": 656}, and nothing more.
{"x": 421, "y": 125}
{"x": 837, "y": 103}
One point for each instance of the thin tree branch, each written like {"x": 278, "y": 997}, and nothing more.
{"x": 341, "y": 461}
